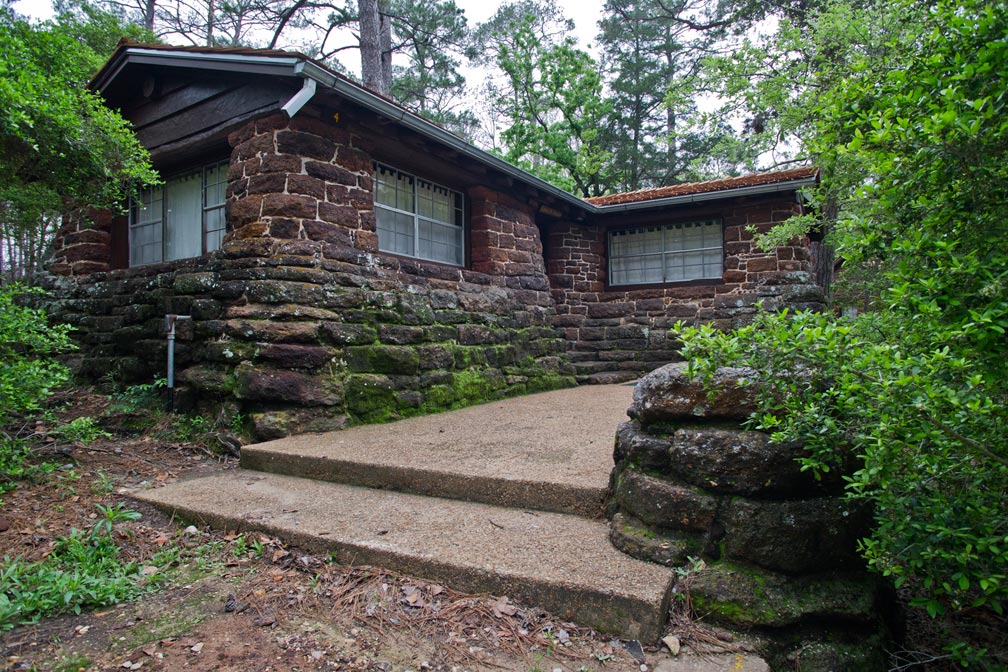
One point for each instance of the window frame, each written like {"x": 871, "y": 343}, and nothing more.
{"x": 163, "y": 220}
{"x": 461, "y": 210}
{"x": 665, "y": 252}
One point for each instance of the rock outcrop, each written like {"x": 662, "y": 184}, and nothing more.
{"x": 779, "y": 546}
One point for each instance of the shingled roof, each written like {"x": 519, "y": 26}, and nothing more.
{"x": 726, "y": 184}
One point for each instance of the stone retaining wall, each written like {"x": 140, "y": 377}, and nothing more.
{"x": 779, "y": 545}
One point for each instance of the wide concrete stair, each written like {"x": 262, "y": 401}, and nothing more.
{"x": 501, "y": 498}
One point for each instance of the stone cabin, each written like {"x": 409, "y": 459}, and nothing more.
{"x": 343, "y": 259}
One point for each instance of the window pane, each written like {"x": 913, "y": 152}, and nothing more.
{"x": 440, "y": 242}
{"x": 214, "y": 225}
{"x": 215, "y": 185}
{"x": 671, "y": 253}
{"x": 434, "y": 232}
{"x": 395, "y": 231}
{"x": 184, "y": 217}
{"x": 385, "y": 186}
{"x": 145, "y": 227}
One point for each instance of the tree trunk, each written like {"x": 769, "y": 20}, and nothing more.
{"x": 210, "y": 23}
{"x": 375, "y": 46}
{"x": 149, "y": 16}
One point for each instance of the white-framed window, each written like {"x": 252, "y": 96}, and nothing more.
{"x": 666, "y": 253}
{"x": 182, "y": 218}
{"x": 417, "y": 218}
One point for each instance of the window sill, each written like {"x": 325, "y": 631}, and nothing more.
{"x": 704, "y": 282}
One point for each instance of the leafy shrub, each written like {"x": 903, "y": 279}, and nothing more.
{"x": 28, "y": 371}
{"x": 144, "y": 396}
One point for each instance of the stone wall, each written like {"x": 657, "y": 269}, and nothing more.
{"x": 83, "y": 244}
{"x": 617, "y": 334}
{"x": 300, "y": 323}
{"x": 779, "y": 545}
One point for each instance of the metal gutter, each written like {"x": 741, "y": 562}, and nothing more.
{"x": 298, "y": 66}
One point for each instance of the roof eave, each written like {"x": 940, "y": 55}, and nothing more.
{"x": 417, "y": 123}
{"x": 298, "y": 66}
{"x": 699, "y": 197}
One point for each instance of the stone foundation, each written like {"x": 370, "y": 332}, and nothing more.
{"x": 309, "y": 344}
{"x": 779, "y": 546}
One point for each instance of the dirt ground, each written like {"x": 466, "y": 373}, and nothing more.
{"x": 231, "y": 602}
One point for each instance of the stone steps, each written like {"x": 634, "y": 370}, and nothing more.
{"x": 504, "y": 498}
{"x": 550, "y": 452}
{"x": 560, "y": 562}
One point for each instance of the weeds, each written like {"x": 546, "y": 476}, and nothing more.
{"x": 81, "y": 430}
{"x": 82, "y": 571}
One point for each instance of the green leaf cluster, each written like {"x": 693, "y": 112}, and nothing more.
{"x": 29, "y": 371}
{"x": 60, "y": 147}
{"x": 83, "y": 571}
{"x": 557, "y": 112}
{"x": 913, "y": 144}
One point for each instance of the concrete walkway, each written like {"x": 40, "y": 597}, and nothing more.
{"x": 501, "y": 498}
{"x": 550, "y": 451}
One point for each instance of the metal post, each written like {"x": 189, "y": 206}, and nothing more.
{"x": 170, "y": 321}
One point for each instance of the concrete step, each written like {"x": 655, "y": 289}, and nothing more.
{"x": 559, "y": 562}
{"x": 549, "y": 451}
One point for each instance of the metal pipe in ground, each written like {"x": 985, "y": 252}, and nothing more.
{"x": 170, "y": 320}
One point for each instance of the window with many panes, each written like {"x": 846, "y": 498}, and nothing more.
{"x": 417, "y": 218}
{"x": 666, "y": 253}
{"x": 182, "y": 218}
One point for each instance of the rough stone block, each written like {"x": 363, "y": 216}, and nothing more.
{"x": 342, "y": 333}
{"x": 305, "y": 144}
{"x": 286, "y": 386}
{"x": 801, "y": 536}
{"x": 668, "y": 394}
{"x": 665, "y": 504}
{"x": 392, "y": 359}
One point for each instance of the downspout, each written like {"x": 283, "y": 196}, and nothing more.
{"x": 301, "y": 98}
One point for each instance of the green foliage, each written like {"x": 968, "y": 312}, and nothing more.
{"x": 28, "y": 371}
{"x": 81, "y": 430}
{"x": 83, "y": 571}
{"x": 60, "y": 147}
{"x": 557, "y": 112}
{"x": 916, "y": 390}
{"x": 109, "y": 516}
{"x": 14, "y": 465}
{"x": 432, "y": 35}
{"x": 650, "y": 65}
{"x": 144, "y": 396}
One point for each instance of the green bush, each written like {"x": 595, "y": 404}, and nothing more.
{"x": 28, "y": 344}
{"x": 915, "y": 160}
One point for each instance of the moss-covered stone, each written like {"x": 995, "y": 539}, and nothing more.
{"x": 640, "y": 541}
{"x": 342, "y": 333}
{"x": 391, "y": 359}
{"x": 370, "y": 398}
{"x": 275, "y": 424}
{"x": 665, "y": 504}
{"x": 741, "y": 595}
{"x": 865, "y": 653}
{"x": 286, "y": 386}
